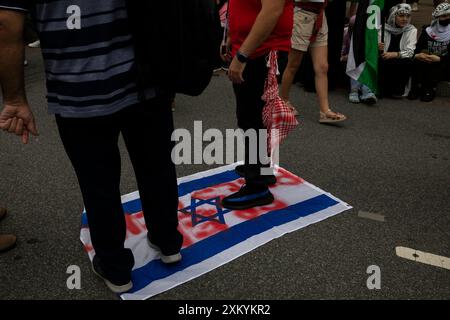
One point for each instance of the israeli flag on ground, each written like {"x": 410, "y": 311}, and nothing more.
{"x": 214, "y": 236}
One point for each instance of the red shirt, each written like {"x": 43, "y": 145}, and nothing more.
{"x": 242, "y": 15}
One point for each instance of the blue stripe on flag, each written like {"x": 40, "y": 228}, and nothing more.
{"x": 185, "y": 188}
{"x": 135, "y": 206}
{"x": 202, "y": 183}
{"x": 84, "y": 220}
{"x": 213, "y": 245}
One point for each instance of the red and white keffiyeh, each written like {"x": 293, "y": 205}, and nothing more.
{"x": 278, "y": 118}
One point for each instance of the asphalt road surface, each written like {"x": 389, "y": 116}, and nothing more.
{"x": 392, "y": 159}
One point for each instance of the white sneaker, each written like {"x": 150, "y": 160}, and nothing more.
{"x": 36, "y": 44}
{"x": 174, "y": 258}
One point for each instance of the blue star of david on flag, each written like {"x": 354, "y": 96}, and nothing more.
{"x": 198, "y": 218}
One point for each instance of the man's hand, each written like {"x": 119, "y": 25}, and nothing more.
{"x": 428, "y": 58}
{"x": 236, "y": 70}
{"x": 434, "y": 58}
{"x": 420, "y": 57}
{"x": 18, "y": 119}
{"x": 389, "y": 55}
{"x": 381, "y": 46}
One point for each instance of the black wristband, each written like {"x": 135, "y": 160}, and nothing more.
{"x": 241, "y": 57}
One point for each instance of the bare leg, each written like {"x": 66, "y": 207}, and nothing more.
{"x": 294, "y": 61}
{"x": 319, "y": 57}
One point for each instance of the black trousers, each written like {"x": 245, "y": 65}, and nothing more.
{"x": 427, "y": 75}
{"x": 249, "y": 107}
{"x": 92, "y": 146}
{"x": 395, "y": 75}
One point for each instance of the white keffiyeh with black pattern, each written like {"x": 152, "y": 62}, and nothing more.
{"x": 435, "y": 30}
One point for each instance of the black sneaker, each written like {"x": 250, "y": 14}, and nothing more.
{"x": 269, "y": 180}
{"x": 427, "y": 95}
{"x": 167, "y": 256}
{"x": 116, "y": 285}
{"x": 248, "y": 197}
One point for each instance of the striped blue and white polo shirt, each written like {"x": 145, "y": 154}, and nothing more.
{"x": 88, "y": 53}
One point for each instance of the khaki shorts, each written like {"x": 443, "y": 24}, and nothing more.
{"x": 304, "y": 22}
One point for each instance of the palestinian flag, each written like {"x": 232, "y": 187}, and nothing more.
{"x": 362, "y": 64}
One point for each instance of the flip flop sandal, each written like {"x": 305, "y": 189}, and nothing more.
{"x": 331, "y": 117}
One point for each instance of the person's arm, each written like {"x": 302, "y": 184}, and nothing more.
{"x": 384, "y": 46}
{"x": 433, "y": 58}
{"x": 265, "y": 22}
{"x": 422, "y": 52}
{"x": 16, "y": 116}
{"x": 410, "y": 46}
{"x": 430, "y": 58}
